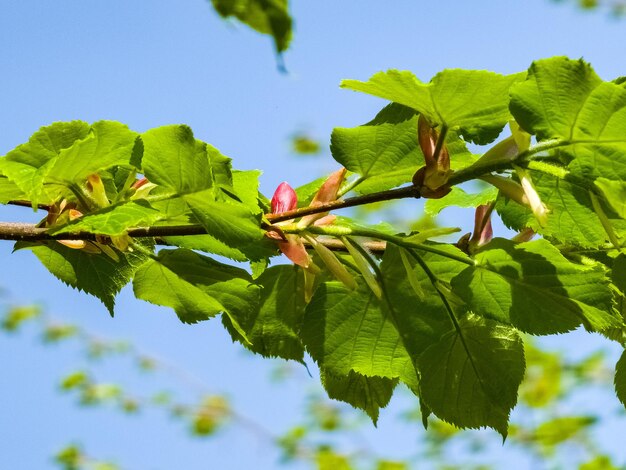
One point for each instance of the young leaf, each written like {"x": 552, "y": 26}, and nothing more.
{"x": 9, "y": 191}
{"x": 28, "y": 164}
{"x": 232, "y": 223}
{"x": 108, "y": 144}
{"x": 564, "y": 99}
{"x": 473, "y": 101}
{"x": 173, "y": 158}
{"x": 384, "y": 152}
{"x": 113, "y": 220}
{"x": 470, "y": 376}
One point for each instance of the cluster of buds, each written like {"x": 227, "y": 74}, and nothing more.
{"x": 94, "y": 198}
{"x": 292, "y": 245}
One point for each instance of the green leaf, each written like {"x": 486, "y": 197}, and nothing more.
{"x": 234, "y": 224}
{"x": 558, "y": 430}
{"x": 346, "y": 330}
{"x": 473, "y": 101}
{"x": 620, "y": 378}
{"x": 384, "y": 152}
{"x": 470, "y": 377}
{"x": 534, "y": 288}
{"x": 571, "y": 218}
{"x": 366, "y": 393}
{"x": 549, "y": 101}
{"x": 113, "y": 220}
{"x": 458, "y": 197}
{"x": 108, "y": 144}
{"x": 197, "y": 287}
{"x": 9, "y": 191}
{"x": 173, "y": 158}
{"x": 614, "y": 193}
{"x": 95, "y": 274}
{"x": 565, "y": 99}
{"x": 28, "y": 164}
{"x": 420, "y": 319}
{"x": 272, "y": 329}
{"x": 265, "y": 16}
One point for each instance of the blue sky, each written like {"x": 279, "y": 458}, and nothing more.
{"x": 150, "y": 63}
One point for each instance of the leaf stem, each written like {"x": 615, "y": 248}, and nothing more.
{"x": 440, "y": 140}
{"x": 396, "y": 240}
{"x": 435, "y": 283}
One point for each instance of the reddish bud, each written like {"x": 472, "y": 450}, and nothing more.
{"x": 139, "y": 183}
{"x": 434, "y": 175}
{"x": 327, "y": 193}
{"x": 74, "y": 214}
{"x": 284, "y": 199}
{"x": 483, "y": 231}
{"x": 294, "y": 249}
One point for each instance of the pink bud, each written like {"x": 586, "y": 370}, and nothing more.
{"x": 294, "y": 249}
{"x": 284, "y": 199}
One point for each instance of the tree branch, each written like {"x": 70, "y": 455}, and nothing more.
{"x": 398, "y": 193}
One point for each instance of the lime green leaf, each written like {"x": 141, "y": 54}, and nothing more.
{"x": 559, "y": 430}
{"x": 534, "y": 288}
{"x": 327, "y": 459}
{"x": 108, "y": 144}
{"x": 384, "y": 152}
{"x": 96, "y": 274}
{"x": 273, "y": 329}
{"x": 9, "y": 191}
{"x": 173, "y": 158}
{"x": 548, "y": 103}
{"x": 458, "y": 197}
{"x": 599, "y": 462}
{"x": 28, "y": 164}
{"x": 245, "y": 186}
{"x": 385, "y": 149}
{"x": 13, "y": 319}
{"x": 197, "y": 287}
{"x": 366, "y": 393}
{"x": 388, "y": 465}
{"x": 220, "y": 166}
{"x": 565, "y": 99}
{"x": 470, "y": 377}
{"x": 113, "y": 220}
{"x": 265, "y": 16}
{"x": 473, "y": 101}
{"x": 234, "y": 224}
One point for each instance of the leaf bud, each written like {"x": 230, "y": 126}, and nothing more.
{"x": 483, "y": 231}
{"x": 284, "y": 199}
